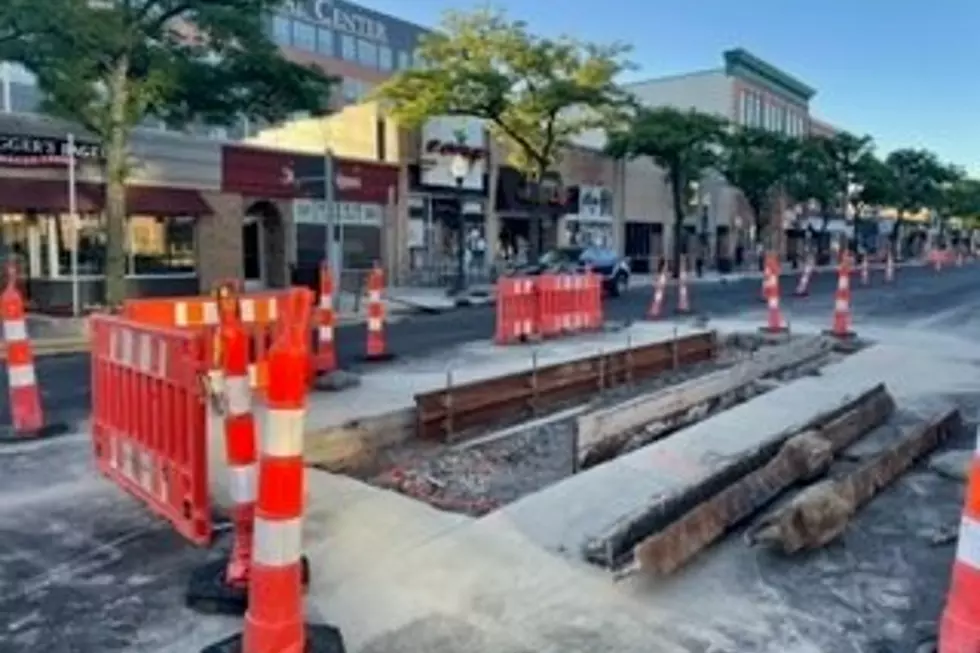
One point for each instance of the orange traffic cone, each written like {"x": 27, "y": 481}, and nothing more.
{"x": 774, "y": 318}
{"x": 959, "y": 630}
{"x": 889, "y": 268}
{"x": 803, "y": 287}
{"x": 274, "y": 620}
{"x": 865, "y": 270}
{"x": 659, "y": 290}
{"x": 683, "y": 296}
{"x": 376, "y": 348}
{"x": 25, "y": 400}
{"x": 841, "y": 327}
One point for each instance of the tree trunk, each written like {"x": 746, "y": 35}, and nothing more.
{"x": 677, "y": 193}
{"x": 538, "y": 212}
{"x": 116, "y": 142}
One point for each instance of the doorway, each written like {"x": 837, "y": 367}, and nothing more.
{"x": 253, "y": 246}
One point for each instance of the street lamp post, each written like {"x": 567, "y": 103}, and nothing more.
{"x": 459, "y": 168}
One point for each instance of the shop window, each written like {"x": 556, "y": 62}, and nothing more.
{"x": 385, "y": 61}
{"x": 160, "y": 245}
{"x": 304, "y": 36}
{"x": 367, "y": 53}
{"x": 311, "y": 245}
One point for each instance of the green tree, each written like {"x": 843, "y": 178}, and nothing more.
{"x": 963, "y": 200}
{"x": 845, "y": 151}
{"x": 812, "y": 176}
{"x": 876, "y": 182}
{"x": 535, "y": 94}
{"x": 919, "y": 178}
{"x": 108, "y": 64}
{"x": 684, "y": 143}
{"x": 760, "y": 163}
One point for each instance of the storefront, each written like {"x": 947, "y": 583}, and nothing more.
{"x": 520, "y": 204}
{"x": 592, "y": 223}
{"x": 35, "y": 203}
{"x": 438, "y": 199}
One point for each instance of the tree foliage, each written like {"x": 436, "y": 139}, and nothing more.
{"x": 683, "y": 143}
{"x": 536, "y": 94}
{"x": 109, "y": 64}
{"x": 877, "y": 185}
{"x": 963, "y": 199}
{"x": 813, "y": 175}
{"x": 845, "y": 151}
{"x": 761, "y": 164}
{"x": 919, "y": 177}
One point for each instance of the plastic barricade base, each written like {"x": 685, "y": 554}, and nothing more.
{"x": 319, "y": 639}
{"x": 209, "y": 593}
{"x": 149, "y": 419}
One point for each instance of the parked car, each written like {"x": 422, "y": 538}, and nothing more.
{"x": 615, "y": 269}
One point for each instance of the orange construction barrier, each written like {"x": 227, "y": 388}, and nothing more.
{"x": 959, "y": 630}
{"x": 594, "y": 310}
{"x": 841, "y": 327}
{"x": 149, "y": 418}
{"x": 326, "y": 353}
{"x": 221, "y": 587}
{"x": 376, "y": 347}
{"x": 26, "y": 414}
{"x": 516, "y": 310}
{"x": 803, "y": 287}
{"x": 659, "y": 291}
{"x": 774, "y": 315}
{"x": 274, "y": 620}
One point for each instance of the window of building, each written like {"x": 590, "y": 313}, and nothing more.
{"x": 304, "y": 36}
{"x": 351, "y": 89}
{"x": 367, "y": 53}
{"x": 282, "y": 30}
{"x": 348, "y": 47}
{"x": 158, "y": 245}
{"x": 324, "y": 41}
{"x": 743, "y": 107}
{"x": 24, "y": 98}
{"x": 404, "y": 61}
{"x": 385, "y": 62}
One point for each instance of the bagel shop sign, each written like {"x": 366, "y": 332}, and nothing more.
{"x": 39, "y": 151}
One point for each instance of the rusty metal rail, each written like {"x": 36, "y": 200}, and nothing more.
{"x": 445, "y": 414}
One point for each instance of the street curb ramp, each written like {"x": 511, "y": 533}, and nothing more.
{"x": 613, "y": 549}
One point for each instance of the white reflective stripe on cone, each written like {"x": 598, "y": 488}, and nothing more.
{"x": 241, "y": 482}
{"x": 326, "y": 333}
{"x": 841, "y": 305}
{"x": 21, "y": 376}
{"x": 283, "y": 435}
{"x": 247, "y": 308}
{"x": 844, "y": 283}
{"x": 774, "y": 302}
{"x": 326, "y": 302}
{"x": 180, "y": 314}
{"x": 374, "y": 296}
{"x": 211, "y": 313}
{"x": 277, "y": 543}
{"x": 15, "y": 330}
{"x": 374, "y": 324}
{"x": 238, "y": 392}
{"x": 968, "y": 547}
{"x": 253, "y": 375}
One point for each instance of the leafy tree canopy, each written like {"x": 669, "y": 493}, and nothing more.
{"x": 813, "y": 175}
{"x": 877, "y": 185}
{"x": 108, "y": 64}
{"x": 535, "y": 93}
{"x": 919, "y": 178}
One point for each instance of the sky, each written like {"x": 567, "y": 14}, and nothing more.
{"x": 906, "y": 72}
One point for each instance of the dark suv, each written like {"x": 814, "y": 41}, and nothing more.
{"x": 615, "y": 270}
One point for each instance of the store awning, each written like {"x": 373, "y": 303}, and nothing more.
{"x": 51, "y": 196}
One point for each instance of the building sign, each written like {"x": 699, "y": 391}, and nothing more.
{"x": 444, "y": 139}
{"x": 346, "y": 20}
{"x": 595, "y": 203}
{"x": 43, "y": 151}
{"x": 347, "y": 214}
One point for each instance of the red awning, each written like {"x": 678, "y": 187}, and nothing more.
{"x": 51, "y": 196}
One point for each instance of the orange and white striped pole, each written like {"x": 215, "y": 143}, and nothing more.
{"x": 376, "y": 348}
{"x": 889, "y": 268}
{"x": 959, "y": 630}
{"x": 774, "y": 314}
{"x": 659, "y": 291}
{"x": 326, "y": 353}
{"x": 803, "y": 287}
{"x": 841, "y": 327}
{"x": 274, "y": 621}
{"x": 865, "y": 270}
{"x": 222, "y": 587}
{"x": 25, "y": 399}
{"x": 683, "y": 295}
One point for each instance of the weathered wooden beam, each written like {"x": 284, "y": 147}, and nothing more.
{"x": 674, "y": 528}
{"x": 821, "y": 513}
{"x": 602, "y": 434}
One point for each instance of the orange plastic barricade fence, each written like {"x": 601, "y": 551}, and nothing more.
{"x": 149, "y": 419}
{"x": 517, "y": 309}
{"x": 593, "y": 301}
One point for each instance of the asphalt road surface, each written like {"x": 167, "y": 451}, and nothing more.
{"x": 84, "y": 569}
{"x": 918, "y": 291}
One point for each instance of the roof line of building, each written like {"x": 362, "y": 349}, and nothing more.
{"x": 695, "y": 73}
